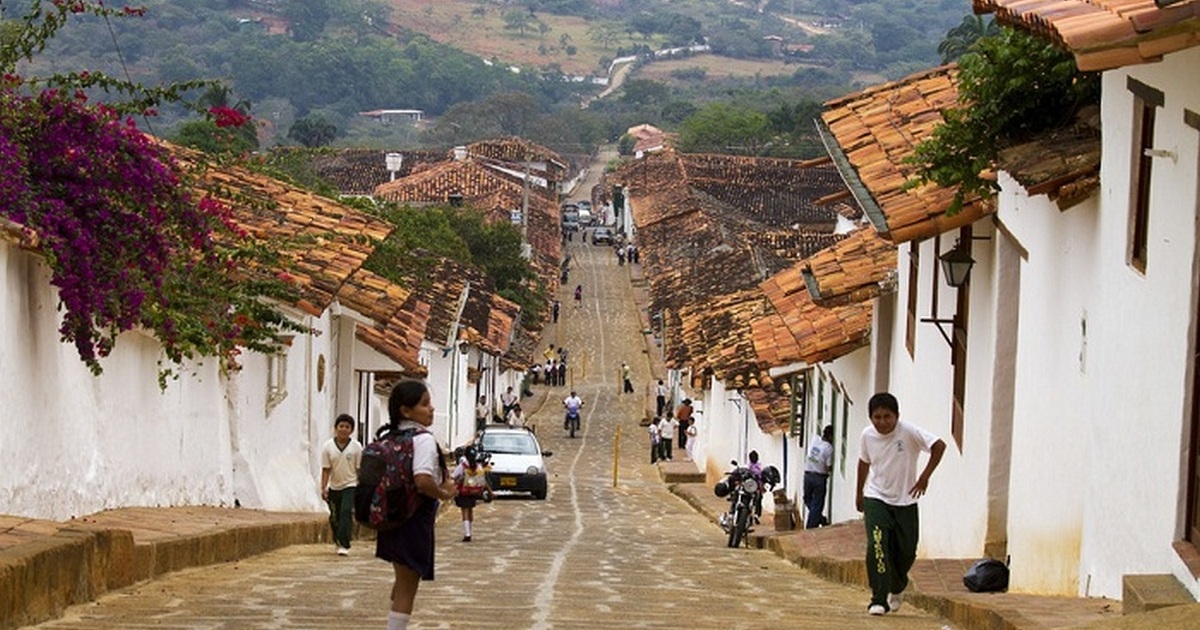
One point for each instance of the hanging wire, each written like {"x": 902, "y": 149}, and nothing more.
{"x": 112, "y": 33}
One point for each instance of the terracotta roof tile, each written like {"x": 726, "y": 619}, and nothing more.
{"x": 497, "y": 195}
{"x": 486, "y": 319}
{"x": 858, "y": 268}
{"x": 819, "y": 333}
{"x": 325, "y": 240}
{"x": 869, "y": 133}
{"x": 356, "y": 171}
{"x": 516, "y": 150}
{"x": 1104, "y": 34}
{"x": 1063, "y": 164}
{"x": 711, "y": 227}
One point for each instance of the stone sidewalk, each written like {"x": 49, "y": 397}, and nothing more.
{"x": 837, "y": 553}
{"x": 46, "y": 566}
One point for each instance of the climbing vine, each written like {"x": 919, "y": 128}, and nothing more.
{"x": 1010, "y": 86}
{"x": 128, "y": 242}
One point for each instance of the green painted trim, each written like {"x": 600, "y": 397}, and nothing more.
{"x": 850, "y": 177}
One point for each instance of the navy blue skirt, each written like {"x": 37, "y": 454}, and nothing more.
{"x": 411, "y": 544}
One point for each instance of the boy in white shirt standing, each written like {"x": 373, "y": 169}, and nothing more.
{"x": 340, "y": 458}
{"x": 888, "y": 489}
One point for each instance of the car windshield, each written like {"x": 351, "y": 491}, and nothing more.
{"x": 509, "y": 444}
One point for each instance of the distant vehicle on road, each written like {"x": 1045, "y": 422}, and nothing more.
{"x": 584, "y": 205}
{"x": 585, "y": 217}
{"x": 518, "y": 463}
{"x": 602, "y": 235}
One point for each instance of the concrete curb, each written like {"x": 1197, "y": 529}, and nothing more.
{"x": 39, "y": 579}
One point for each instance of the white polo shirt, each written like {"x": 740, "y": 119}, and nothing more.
{"x": 893, "y": 459}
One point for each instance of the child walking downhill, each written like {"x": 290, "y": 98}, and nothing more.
{"x": 471, "y": 477}
{"x": 888, "y": 489}
{"x": 340, "y": 458}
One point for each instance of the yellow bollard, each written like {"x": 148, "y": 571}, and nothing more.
{"x": 583, "y": 367}
{"x": 616, "y": 454}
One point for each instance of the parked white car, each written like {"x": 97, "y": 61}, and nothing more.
{"x": 518, "y": 463}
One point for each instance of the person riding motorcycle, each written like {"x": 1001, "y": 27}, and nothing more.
{"x": 573, "y": 404}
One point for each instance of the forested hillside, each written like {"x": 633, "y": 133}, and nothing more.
{"x": 497, "y": 67}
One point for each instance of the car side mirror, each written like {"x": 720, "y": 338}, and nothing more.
{"x": 547, "y": 453}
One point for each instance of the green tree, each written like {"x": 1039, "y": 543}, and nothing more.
{"x": 1010, "y": 86}
{"x": 643, "y": 92}
{"x": 959, "y": 39}
{"x": 306, "y": 18}
{"x": 312, "y": 130}
{"x": 604, "y": 34}
{"x": 720, "y": 127}
{"x": 463, "y": 234}
{"x": 518, "y": 20}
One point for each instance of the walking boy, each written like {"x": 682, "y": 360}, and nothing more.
{"x": 888, "y": 489}
{"x": 340, "y": 458}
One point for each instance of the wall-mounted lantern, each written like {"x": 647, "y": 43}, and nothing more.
{"x": 956, "y": 264}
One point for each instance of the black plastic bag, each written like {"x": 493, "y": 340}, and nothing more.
{"x": 986, "y": 576}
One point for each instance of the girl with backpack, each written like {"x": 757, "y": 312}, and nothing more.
{"x": 471, "y": 477}
{"x": 409, "y": 547}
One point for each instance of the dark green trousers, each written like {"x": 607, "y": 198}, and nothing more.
{"x": 341, "y": 515}
{"x": 892, "y": 533}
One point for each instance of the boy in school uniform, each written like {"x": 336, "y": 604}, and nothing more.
{"x": 888, "y": 489}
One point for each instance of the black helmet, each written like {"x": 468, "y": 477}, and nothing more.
{"x": 471, "y": 454}
{"x": 722, "y": 488}
{"x": 770, "y": 476}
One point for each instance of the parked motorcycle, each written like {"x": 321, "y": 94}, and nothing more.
{"x": 745, "y": 491}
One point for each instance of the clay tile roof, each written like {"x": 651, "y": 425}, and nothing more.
{"x": 711, "y": 227}
{"x": 516, "y": 150}
{"x": 718, "y": 334}
{"x": 772, "y": 410}
{"x": 859, "y": 267}
{"x": 326, "y": 241}
{"x": 400, "y": 320}
{"x": 820, "y": 333}
{"x": 1104, "y": 34}
{"x": 494, "y": 193}
{"x": 356, "y": 171}
{"x": 870, "y": 133}
{"x": 486, "y": 320}
{"x": 1063, "y": 164}
{"x": 399, "y": 338}
{"x": 520, "y": 355}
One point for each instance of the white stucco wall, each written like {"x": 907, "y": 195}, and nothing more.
{"x": 953, "y": 512}
{"x": 84, "y": 443}
{"x": 1100, "y": 409}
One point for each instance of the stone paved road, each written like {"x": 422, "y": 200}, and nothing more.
{"x": 592, "y": 555}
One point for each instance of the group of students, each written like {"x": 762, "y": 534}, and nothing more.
{"x": 888, "y": 487}
{"x": 665, "y": 427}
{"x": 555, "y": 370}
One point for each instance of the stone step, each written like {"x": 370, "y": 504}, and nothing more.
{"x": 1143, "y": 593}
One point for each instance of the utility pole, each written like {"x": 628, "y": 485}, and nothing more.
{"x": 525, "y": 197}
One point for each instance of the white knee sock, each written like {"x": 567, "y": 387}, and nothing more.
{"x": 466, "y": 528}
{"x": 397, "y": 620}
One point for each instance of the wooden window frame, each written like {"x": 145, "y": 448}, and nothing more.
{"x": 1145, "y": 103}
{"x": 914, "y": 268}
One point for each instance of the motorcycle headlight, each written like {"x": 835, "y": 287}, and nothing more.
{"x": 750, "y": 485}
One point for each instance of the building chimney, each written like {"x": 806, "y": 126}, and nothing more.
{"x": 460, "y": 153}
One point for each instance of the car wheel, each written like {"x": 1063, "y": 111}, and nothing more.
{"x": 540, "y": 495}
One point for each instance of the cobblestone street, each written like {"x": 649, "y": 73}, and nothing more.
{"x": 594, "y": 554}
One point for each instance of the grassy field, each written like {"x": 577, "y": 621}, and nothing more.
{"x": 459, "y": 23}
{"x": 715, "y": 68}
